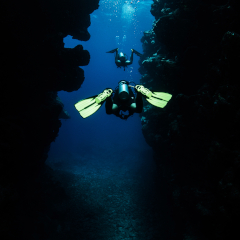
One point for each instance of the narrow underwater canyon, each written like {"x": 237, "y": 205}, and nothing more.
{"x": 192, "y": 52}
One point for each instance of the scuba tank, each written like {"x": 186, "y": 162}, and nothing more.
{"x": 123, "y": 91}
{"x": 121, "y": 56}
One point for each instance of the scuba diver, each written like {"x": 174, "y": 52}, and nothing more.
{"x": 123, "y": 100}
{"x": 121, "y": 59}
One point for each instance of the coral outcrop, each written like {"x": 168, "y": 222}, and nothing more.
{"x": 193, "y": 52}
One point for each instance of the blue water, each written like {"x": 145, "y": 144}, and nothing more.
{"x": 115, "y": 24}
{"x": 111, "y": 164}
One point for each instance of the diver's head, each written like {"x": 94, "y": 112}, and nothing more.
{"x": 122, "y": 57}
{"x": 123, "y": 91}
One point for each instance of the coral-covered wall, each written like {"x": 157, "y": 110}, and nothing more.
{"x": 193, "y": 52}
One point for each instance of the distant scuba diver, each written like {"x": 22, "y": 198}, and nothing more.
{"x": 121, "y": 59}
{"x": 122, "y": 101}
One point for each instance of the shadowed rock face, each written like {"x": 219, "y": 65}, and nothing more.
{"x": 35, "y": 65}
{"x": 193, "y": 52}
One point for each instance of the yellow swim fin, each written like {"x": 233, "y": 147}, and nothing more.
{"x": 85, "y": 103}
{"x": 158, "y": 99}
{"x": 162, "y": 95}
{"x": 90, "y": 105}
{"x": 86, "y": 112}
{"x": 157, "y": 102}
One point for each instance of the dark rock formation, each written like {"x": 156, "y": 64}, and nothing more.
{"x": 34, "y": 66}
{"x": 64, "y": 115}
{"x": 193, "y": 52}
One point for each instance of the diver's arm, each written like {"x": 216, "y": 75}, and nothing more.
{"x": 108, "y": 105}
{"x": 139, "y": 103}
{"x": 131, "y": 59}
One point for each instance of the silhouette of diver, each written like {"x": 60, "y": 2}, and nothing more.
{"x": 124, "y": 100}
{"x": 121, "y": 100}
{"x": 121, "y": 59}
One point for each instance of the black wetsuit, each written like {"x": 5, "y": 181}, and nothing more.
{"x": 124, "y": 106}
{"x": 124, "y": 63}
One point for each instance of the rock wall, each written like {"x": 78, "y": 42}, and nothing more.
{"x": 34, "y": 66}
{"x": 193, "y": 52}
